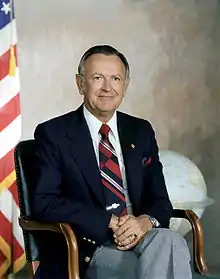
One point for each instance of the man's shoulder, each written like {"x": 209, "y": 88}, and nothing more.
{"x": 134, "y": 120}
{"x": 57, "y": 126}
{"x": 57, "y": 123}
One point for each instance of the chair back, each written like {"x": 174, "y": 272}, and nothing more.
{"x": 23, "y": 157}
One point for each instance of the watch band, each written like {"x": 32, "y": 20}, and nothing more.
{"x": 154, "y": 222}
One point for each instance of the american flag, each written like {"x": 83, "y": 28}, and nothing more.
{"x": 12, "y": 255}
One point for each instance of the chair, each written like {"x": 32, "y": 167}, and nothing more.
{"x": 23, "y": 157}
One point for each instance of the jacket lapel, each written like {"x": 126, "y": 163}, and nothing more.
{"x": 82, "y": 151}
{"x": 128, "y": 135}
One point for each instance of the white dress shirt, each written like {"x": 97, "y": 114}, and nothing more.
{"x": 94, "y": 125}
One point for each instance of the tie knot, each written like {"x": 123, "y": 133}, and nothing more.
{"x": 104, "y": 130}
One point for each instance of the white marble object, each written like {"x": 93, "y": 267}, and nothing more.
{"x": 186, "y": 187}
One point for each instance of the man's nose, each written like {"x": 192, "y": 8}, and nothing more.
{"x": 106, "y": 85}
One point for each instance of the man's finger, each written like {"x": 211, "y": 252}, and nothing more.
{"x": 126, "y": 241}
{"x": 123, "y": 219}
{"x": 127, "y": 234}
{"x": 129, "y": 246}
{"x": 122, "y": 229}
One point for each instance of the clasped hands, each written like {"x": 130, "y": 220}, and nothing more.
{"x": 128, "y": 230}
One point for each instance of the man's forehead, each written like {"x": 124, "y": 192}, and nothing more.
{"x": 99, "y": 59}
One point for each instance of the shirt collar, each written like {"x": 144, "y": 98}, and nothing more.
{"x": 95, "y": 124}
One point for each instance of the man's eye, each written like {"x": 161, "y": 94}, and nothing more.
{"x": 97, "y": 78}
{"x": 116, "y": 78}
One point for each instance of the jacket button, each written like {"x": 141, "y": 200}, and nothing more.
{"x": 89, "y": 240}
{"x": 93, "y": 242}
{"x": 84, "y": 238}
{"x": 87, "y": 259}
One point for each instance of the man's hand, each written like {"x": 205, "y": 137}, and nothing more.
{"x": 113, "y": 224}
{"x": 131, "y": 230}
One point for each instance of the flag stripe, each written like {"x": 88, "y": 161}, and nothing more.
{"x": 7, "y": 250}
{"x": 2, "y": 257}
{"x": 16, "y": 228}
{"x": 10, "y": 136}
{"x": 5, "y": 228}
{"x": 5, "y": 259}
{"x": 13, "y": 190}
{"x": 17, "y": 253}
{"x": 6, "y": 165}
{"x": 19, "y": 263}
{"x": 8, "y": 88}
{"x": 5, "y": 264}
{"x": 9, "y": 112}
{"x": 8, "y": 37}
{"x": 12, "y": 254}
{"x": 11, "y": 213}
{"x": 4, "y": 63}
{"x": 7, "y": 182}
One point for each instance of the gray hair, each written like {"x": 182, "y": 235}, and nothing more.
{"x": 103, "y": 49}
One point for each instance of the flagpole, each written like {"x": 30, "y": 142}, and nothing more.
{"x": 12, "y": 70}
{"x": 12, "y": 62}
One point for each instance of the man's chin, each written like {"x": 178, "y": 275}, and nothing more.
{"x": 107, "y": 111}
{"x": 107, "y": 108}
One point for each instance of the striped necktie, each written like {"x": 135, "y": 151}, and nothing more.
{"x": 111, "y": 175}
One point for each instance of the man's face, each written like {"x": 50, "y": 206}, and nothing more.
{"x": 103, "y": 84}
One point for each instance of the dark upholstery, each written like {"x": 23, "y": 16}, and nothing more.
{"x": 24, "y": 153}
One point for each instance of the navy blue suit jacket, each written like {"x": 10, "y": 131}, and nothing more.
{"x": 67, "y": 185}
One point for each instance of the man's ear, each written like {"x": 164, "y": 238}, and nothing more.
{"x": 126, "y": 85}
{"x": 79, "y": 82}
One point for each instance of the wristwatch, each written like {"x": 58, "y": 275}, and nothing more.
{"x": 154, "y": 222}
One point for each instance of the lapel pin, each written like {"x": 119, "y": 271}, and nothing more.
{"x": 132, "y": 145}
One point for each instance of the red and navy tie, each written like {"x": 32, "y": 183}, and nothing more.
{"x": 111, "y": 175}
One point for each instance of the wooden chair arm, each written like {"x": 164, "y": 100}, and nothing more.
{"x": 198, "y": 239}
{"x": 73, "y": 264}
{"x": 66, "y": 230}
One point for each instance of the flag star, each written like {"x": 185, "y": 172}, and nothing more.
{"x": 5, "y": 8}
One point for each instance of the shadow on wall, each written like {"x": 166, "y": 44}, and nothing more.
{"x": 206, "y": 154}
{"x": 189, "y": 101}
{"x": 204, "y": 148}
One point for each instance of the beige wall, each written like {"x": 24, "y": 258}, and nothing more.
{"x": 173, "y": 48}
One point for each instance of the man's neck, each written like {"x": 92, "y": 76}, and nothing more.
{"x": 104, "y": 117}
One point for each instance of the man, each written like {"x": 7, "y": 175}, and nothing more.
{"x": 99, "y": 170}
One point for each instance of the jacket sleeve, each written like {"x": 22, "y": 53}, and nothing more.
{"x": 160, "y": 205}
{"x": 48, "y": 203}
